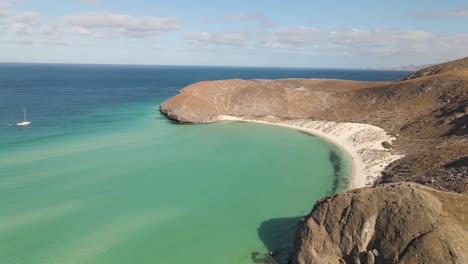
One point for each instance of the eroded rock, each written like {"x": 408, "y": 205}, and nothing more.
{"x": 392, "y": 223}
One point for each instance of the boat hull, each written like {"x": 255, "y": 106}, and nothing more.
{"x": 23, "y": 124}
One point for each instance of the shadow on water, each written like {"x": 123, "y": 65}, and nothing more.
{"x": 340, "y": 177}
{"x": 277, "y": 235}
{"x": 306, "y": 133}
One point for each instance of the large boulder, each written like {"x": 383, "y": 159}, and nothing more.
{"x": 391, "y": 223}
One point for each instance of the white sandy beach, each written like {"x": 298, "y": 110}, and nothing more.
{"x": 361, "y": 142}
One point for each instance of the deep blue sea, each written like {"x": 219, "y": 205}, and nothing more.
{"x": 100, "y": 177}
{"x": 59, "y": 95}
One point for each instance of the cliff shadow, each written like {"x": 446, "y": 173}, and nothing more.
{"x": 277, "y": 235}
{"x": 340, "y": 176}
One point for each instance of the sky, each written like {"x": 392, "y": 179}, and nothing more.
{"x": 292, "y": 33}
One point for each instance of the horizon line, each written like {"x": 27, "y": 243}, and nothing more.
{"x": 194, "y": 65}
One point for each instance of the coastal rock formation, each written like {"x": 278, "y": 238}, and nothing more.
{"x": 294, "y": 98}
{"x": 392, "y": 223}
{"x": 427, "y": 111}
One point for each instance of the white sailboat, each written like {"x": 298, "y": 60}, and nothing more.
{"x": 25, "y": 122}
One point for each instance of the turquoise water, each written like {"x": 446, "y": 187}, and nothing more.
{"x": 102, "y": 178}
{"x": 149, "y": 191}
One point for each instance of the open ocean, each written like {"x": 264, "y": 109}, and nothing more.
{"x": 102, "y": 178}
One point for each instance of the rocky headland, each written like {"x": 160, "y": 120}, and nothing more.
{"x": 391, "y": 223}
{"x": 411, "y": 130}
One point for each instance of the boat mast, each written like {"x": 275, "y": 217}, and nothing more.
{"x": 24, "y": 113}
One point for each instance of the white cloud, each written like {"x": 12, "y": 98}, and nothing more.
{"x": 28, "y": 41}
{"x": 31, "y": 28}
{"x": 89, "y": 1}
{"x": 261, "y": 19}
{"x": 343, "y": 41}
{"x": 80, "y": 31}
{"x": 455, "y": 12}
{"x": 29, "y": 18}
{"x": 385, "y": 42}
{"x": 20, "y": 28}
{"x": 119, "y": 24}
{"x": 50, "y": 30}
{"x": 378, "y": 42}
{"x": 27, "y": 28}
{"x": 26, "y": 22}
{"x": 294, "y": 37}
{"x": 229, "y": 38}
{"x": 4, "y": 10}
{"x": 20, "y": 22}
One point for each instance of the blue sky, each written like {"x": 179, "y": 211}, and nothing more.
{"x": 294, "y": 33}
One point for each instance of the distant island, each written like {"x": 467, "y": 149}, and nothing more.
{"x": 411, "y": 67}
{"x": 407, "y": 141}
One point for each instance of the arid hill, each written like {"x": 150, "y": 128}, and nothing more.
{"x": 451, "y": 66}
{"x": 392, "y": 222}
{"x": 427, "y": 113}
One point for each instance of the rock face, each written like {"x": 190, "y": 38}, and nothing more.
{"x": 391, "y": 223}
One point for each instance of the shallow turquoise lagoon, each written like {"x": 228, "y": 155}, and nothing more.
{"x": 102, "y": 178}
{"x": 133, "y": 187}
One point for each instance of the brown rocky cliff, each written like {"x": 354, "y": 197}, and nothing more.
{"x": 392, "y": 223}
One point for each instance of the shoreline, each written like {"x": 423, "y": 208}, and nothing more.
{"x": 361, "y": 144}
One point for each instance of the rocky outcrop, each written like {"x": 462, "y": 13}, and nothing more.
{"x": 391, "y": 223}
{"x": 428, "y": 111}
{"x": 292, "y": 98}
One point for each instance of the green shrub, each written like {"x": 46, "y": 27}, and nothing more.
{"x": 387, "y": 145}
